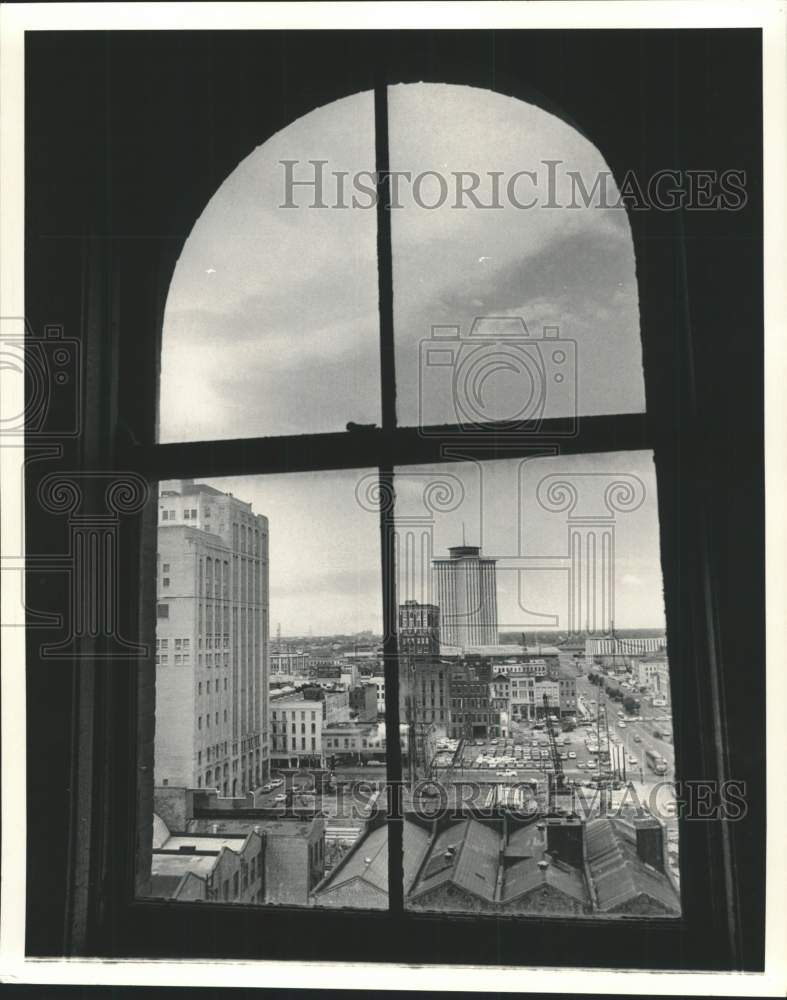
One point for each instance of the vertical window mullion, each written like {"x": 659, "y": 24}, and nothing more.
{"x": 387, "y": 508}
{"x": 384, "y": 259}
{"x": 393, "y": 755}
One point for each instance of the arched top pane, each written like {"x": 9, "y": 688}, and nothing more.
{"x": 271, "y": 324}
{"x": 506, "y": 240}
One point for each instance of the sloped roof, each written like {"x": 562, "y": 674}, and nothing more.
{"x": 525, "y": 875}
{"x": 164, "y": 886}
{"x": 473, "y": 863}
{"x": 368, "y": 859}
{"x": 617, "y": 872}
{"x": 160, "y": 831}
{"x": 527, "y": 841}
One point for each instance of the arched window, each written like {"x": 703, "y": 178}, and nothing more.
{"x": 457, "y": 261}
{"x": 379, "y": 383}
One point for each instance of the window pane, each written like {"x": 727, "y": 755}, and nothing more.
{"x": 514, "y": 292}
{"x": 534, "y": 678}
{"x": 268, "y": 739}
{"x": 271, "y": 324}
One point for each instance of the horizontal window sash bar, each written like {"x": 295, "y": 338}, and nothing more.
{"x": 373, "y": 447}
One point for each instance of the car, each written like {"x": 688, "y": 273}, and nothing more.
{"x": 276, "y": 783}
{"x": 621, "y": 724}
{"x": 637, "y": 738}
{"x": 592, "y": 764}
{"x": 572, "y": 755}
{"x": 267, "y": 787}
{"x": 631, "y": 759}
{"x": 280, "y": 798}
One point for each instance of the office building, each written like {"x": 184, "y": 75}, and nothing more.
{"x": 211, "y": 641}
{"x": 466, "y": 588}
{"x": 419, "y": 630}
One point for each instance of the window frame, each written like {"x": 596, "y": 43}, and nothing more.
{"x": 113, "y": 922}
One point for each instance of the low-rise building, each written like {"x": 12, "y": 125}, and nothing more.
{"x": 224, "y": 867}
{"x": 297, "y": 721}
{"x": 363, "y": 701}
{"x": 431, "y": 694}
{"x": 500, "y": 866}
{"x": 652, "y": 671}
{"x": 468, "y": 688}
{"x": 358, "y": 741}
{"x": 292, "y": 664}
{"x": 233, "y": 850}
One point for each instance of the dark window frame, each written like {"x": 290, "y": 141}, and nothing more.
{"x": 125, "y": 283}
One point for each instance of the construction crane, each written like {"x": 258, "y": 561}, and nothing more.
{"x": 557, "y": 765}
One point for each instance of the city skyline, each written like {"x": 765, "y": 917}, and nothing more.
{"x": 325, "y": 550}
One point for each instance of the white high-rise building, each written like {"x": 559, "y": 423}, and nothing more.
{"x": 466, "y": 588}
{"x": 212, "y": 648}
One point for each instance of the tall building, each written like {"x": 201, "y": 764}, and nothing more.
{"x": 466, "y": 587}
{"x": 419, "y": 630}
{"x": 211, "y": 641}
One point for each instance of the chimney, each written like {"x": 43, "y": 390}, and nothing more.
{"x": 565, "y": 840}
{"x": 650, "y": 842}
{"x": 543, "y": 865}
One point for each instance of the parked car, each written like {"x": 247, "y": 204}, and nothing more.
{"x": 572, "y": 755}
{"x": 277, "y": 783}
{"x": 280, "y": 798}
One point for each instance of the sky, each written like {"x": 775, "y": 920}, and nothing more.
{"x": 325, "y": 549}
{"x": 271, "y": 327}
{"x": 271, "y": 323}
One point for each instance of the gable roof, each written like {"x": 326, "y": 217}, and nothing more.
{"x": 368, "y": 859}
{"x": 526, "y": 875}
{"x": 618, "y": 874}
{"x": 472, "y": 864}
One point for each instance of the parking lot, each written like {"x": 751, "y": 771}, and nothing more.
{"x": 527, "y": 754}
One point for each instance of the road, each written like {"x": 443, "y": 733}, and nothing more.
{"x": 643, "y": 729}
